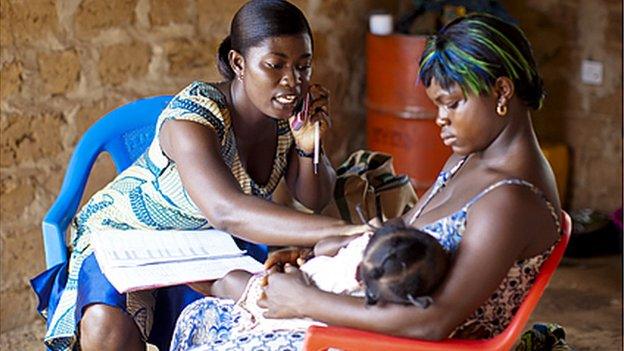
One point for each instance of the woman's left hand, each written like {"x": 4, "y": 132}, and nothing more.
{"x": 318, "y": 111}
{"x": 283, "y": 295}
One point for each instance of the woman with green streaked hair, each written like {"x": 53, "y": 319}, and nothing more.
{"x": 475, "y": 51}
{"x": 494, "y": 206}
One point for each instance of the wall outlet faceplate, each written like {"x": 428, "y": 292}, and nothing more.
{"x": 591, "y": 72}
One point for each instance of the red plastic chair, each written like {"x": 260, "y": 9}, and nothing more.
{"x": 347, "y": 339}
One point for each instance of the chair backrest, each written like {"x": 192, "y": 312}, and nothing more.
{"x": 124, "y": 133}
{"x": 347, "y": 339}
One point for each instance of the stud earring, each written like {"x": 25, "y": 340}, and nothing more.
{"x": 501, "y": 109}
{"x": 240, "y": 77}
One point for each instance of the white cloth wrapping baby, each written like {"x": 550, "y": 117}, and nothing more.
{"x": 336, "y": 274}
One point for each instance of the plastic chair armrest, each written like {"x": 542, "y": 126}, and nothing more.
{"x": 64, "y": 208}
{"x": 54, "y": 243}
{"x": 348, "y": 339}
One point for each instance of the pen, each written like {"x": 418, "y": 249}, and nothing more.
{"x": 317, "y": 144}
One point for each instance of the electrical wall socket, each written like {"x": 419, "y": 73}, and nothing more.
{"x": 591, "y": 72}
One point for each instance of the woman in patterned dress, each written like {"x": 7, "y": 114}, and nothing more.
{"x": 494, "y": 206}
{"x": 218, "y": 153}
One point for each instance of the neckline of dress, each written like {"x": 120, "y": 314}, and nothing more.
{"x": 440, "y": 183}
{"x": 280, "y": 136}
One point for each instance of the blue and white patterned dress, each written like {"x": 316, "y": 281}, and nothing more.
{"x": 218, "y": 324}
{"x": 147, "y": 195}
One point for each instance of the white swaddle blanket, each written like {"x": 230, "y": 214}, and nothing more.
{"x": 336, "y": 274}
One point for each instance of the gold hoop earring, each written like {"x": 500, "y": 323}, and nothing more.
{"x": 501, "y": 109}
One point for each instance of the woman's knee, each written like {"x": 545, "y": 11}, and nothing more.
{"x": 105, "y": 327}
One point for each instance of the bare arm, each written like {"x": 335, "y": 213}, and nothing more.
{"x": 313, "y": 190}
{"x": 195, "y": 150}
{"x": 493, "y": 240}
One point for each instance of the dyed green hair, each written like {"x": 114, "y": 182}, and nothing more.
{"x": 474, "y": 51}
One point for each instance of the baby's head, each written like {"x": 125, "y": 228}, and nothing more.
{"x": 402, "y": 265}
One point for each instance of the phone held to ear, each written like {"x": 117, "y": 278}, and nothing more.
{"x": 302, "y": 113}
{"x": 301, "y": 118}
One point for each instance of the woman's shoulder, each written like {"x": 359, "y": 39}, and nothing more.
{"x": 519, "y": 199}
{"x": 203, "y": 92}
{"x": 515, "y": 185}
{"x": 536, "y": 174}
{"x": 200, "y": 102}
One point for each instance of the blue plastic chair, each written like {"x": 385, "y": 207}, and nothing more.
{"x": 125, "y": 134}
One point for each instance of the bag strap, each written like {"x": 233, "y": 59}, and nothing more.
{"x": 378, "y": 207}
{"x": 341, "y": 200}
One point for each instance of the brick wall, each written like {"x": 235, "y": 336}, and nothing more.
{"x": 65, "y": 63}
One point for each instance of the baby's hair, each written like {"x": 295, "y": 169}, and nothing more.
{"x": 402, "y": 265}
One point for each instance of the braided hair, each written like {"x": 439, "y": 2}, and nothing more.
{"x": 402, "y": 265}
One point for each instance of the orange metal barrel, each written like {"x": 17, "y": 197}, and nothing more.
{"x": 400, "y": 116}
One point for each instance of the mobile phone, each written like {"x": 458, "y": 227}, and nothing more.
{"x": 301, "y": 112}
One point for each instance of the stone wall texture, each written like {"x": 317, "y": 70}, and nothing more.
{"x": 65, "y": 63}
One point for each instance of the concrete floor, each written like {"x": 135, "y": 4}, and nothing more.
{"x": 584, "y": 296}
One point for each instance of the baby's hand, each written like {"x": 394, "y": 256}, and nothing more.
{"x": 295, "y": 256}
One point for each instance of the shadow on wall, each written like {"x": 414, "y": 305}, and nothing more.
{"x": 585, "y": 117}
{"x": 551, "y": 37}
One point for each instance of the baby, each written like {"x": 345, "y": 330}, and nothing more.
{"x": 402, "y": 265}
{"x": 393, "y": 264}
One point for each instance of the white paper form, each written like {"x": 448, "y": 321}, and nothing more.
{"x": 139, "y": 259}
{"x": 128, "y": 248}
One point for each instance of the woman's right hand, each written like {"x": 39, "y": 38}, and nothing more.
{"x": 302, "y": 127}
{"x": 331, "y": 245}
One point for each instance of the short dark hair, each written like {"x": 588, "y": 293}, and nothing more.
{"x": 402, "y": 264}
{"x": 475, "y": 50}
{"x": 256, "y": 21}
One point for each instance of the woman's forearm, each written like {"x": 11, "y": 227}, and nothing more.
{"x": 314, "y": 190}
{"x": 392, "y": 319}
{"x": 259, "y": 220}
{"x": 217, "y": 194}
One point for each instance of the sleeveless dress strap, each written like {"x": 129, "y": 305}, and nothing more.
{"x": 458, "y": 166}
{"x": 440, "y": 183}
{"x": 519, "y": 182}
